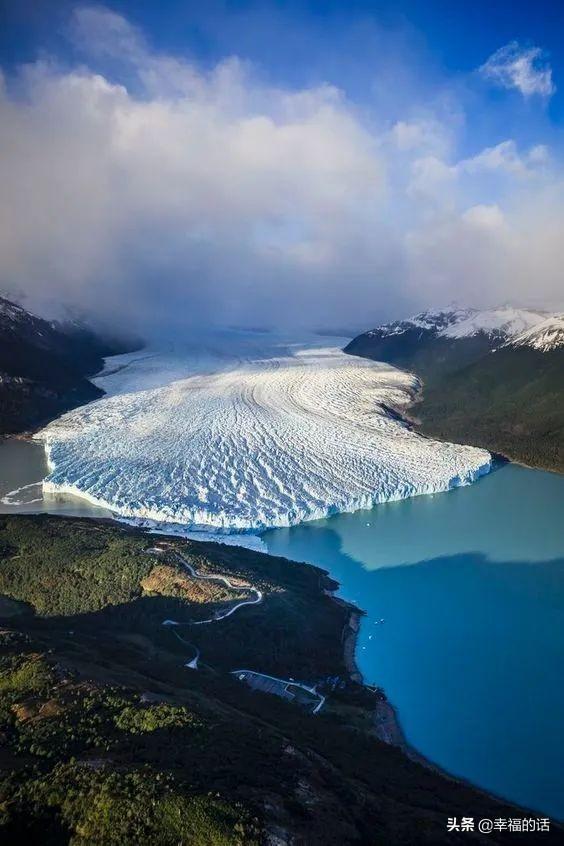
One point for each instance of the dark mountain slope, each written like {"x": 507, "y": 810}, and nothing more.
{"x": 485, "y": 385}
{"x": 44, "y": 367}
{"x": 510, "y": 401}
{"x": 421, "y": 350}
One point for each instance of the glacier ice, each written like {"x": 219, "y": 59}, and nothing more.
{"x": 244, "y": 431}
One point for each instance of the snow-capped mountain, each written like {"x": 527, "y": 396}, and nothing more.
{"x": 444, "y": 339}
{"x": 499, "y": 323}
{"x": 546, "y": 336}
{"x": 431, "y": 320}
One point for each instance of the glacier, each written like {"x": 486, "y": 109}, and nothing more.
{"x": 239, "y": 432}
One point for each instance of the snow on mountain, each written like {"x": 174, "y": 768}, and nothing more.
{"x": 14, "y": 318}
{"x": 502, "y": 322}
{"x": 544, "y": 336}
{"x": 245, "y": 433}
{"x": 433, "y": 320}
{"x": 10, "y": 312}
{"x": 497, "y": 323}
{"x": 438, "y": 320}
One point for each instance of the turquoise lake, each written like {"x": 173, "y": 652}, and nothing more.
{"x": 470, "y": 585}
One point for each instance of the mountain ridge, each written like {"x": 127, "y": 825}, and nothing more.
{"x": 545, "y": 336}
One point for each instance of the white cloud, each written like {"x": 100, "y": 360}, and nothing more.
{"x": 523, "y": 68}
{"x": 489, "y": 217}
{"x": 421, "y": 135}
{"x": 434, "y": 179}
{"x": 430, "y": 178}
{"x": 221, "y": 191}
{"x": 506, "y": 157}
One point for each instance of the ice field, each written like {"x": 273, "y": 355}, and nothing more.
{"x": 241, "y": 432}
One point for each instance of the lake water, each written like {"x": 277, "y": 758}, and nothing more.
{"x": 470, "y": 585}
{"x": 22, "y": 467}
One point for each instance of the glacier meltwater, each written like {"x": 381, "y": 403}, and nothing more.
{"x": 239, "y": 432}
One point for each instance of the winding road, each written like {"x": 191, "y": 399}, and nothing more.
{"x": 220, "y": 615}
{"x": 242, "y": 675}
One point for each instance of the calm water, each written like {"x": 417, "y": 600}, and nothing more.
{"x": 22, "y": 467}
{"x": 471, "y": 587}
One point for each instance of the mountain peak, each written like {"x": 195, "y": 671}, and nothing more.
{"x": 503, "y": 322}
{"x": 499, "y": 324}
{"x": 545, "y": 336}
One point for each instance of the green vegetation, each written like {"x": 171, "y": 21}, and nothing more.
{"x": 106, "y": 738}
{"x": 510, "y": 401}
{"x": 99, "y": 807}
{"x": 60, "y": 571}
{"x": 138, "y": 720}
{"x": 29, "y": 675}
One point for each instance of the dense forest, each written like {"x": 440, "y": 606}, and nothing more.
{"x": 509, "y": 400}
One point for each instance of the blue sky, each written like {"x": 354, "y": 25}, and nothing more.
{"x": 453, "y": 110}
{"x": 455, "y": 36}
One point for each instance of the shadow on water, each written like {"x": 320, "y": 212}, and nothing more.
{"x": 471, "y": 652}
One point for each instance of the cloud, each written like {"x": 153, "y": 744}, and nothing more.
{"x": 523, "y": 68}
{"x": 505, "y": 156}
{"x": 483, "y": 216}
{"x": 214, "y": 190}
{"x": 421, "y": 135}
{"x": 433, "y": 178}
{"x": 143, "y": 188}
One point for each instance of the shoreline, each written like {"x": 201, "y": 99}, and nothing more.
{"x": 350, "y": 638}
{"x": 386, "y": 722}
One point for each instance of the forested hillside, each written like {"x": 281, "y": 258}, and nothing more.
{"x": 484, "y": 382}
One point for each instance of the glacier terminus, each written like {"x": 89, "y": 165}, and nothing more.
{"x": 243, "y": 431}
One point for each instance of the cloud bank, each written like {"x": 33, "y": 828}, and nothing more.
{"x": 141, "y": 188}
